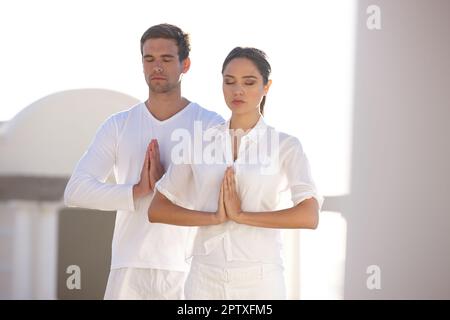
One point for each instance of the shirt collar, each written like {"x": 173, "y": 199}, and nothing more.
{"x": 257, "y": 131}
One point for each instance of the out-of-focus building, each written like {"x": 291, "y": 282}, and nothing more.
{"x": 40, "y": 239}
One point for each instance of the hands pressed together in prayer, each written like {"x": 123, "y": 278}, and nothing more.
{"x": 229, "y": 207}
{"x": 152, "y": 171}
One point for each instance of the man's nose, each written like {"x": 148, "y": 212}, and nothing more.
{"x": 158, "y": 67}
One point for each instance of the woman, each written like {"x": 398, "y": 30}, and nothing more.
{"x": 233, "y": 194}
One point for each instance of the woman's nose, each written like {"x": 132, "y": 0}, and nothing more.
{"x": 238, "y": 90}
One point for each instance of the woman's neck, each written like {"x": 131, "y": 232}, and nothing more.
{"x": 244, "y": 121}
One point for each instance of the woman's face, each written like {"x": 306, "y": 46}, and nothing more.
{"x": 243, "y": 86}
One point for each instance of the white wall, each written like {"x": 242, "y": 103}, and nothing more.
{"x": 398, "y": 214}
{"x": 48, "y": 137}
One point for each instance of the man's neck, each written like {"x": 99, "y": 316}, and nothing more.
{"x": 163, "y": 106}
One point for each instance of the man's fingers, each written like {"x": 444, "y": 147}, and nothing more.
{"x": 152, "y": 150}
{"x": 221, "y": 194}
{"x": 156, "y": 149}
{"x": 146, "y": 161}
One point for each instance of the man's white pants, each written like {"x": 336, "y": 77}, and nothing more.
{"x": 138, "y": 284}
{"x": 261, "y": 282}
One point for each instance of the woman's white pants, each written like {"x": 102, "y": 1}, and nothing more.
{"x": 259, "y": 282}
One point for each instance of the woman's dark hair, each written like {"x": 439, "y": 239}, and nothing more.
{"x": 259, "y": 58}
{"x": 168, "y": 31}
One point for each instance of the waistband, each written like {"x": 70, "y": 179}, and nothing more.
{"x": 257, "y": 272}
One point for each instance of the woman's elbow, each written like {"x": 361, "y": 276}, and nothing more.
{"x": 152, "y": 213}
{"x": 314, "y": 219}
{"x": 314, "y": 212}
{"x": 309, "y": 216}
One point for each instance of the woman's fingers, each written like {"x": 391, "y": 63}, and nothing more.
{"x": 232, "y": 181}
{"x": 230, "y": 189}
{"x": 225, "y": 182}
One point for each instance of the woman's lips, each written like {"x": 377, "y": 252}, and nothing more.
{"x": 237, "y": 102}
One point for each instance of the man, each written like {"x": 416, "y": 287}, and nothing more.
{"x": 148, "y": 259}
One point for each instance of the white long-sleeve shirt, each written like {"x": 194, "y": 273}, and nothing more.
{"x": 120, "y": 145}
{"x": 268, "y": 163}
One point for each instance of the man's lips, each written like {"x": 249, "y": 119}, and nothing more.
{"x": 157, "y": 78}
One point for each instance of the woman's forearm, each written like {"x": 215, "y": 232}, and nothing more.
{"x": 305, "y": 215}
{"x": 162, "y": 210}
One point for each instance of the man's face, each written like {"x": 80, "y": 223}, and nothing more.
{"x": 162, "y": 68}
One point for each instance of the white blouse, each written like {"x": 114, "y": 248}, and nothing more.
{"x": 268, "y": 163}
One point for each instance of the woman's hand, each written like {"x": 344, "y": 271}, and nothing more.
{"x": 221, "y": 214}
{"x": 230, "y": 195}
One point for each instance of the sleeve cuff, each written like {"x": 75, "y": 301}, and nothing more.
{"x": 131, "y": 204}
{"x": 296, "y": 199}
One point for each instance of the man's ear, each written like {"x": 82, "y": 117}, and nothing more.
{"x": 186, "y": 64}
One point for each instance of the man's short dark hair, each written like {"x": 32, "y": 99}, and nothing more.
{"x": 168, "y": 31}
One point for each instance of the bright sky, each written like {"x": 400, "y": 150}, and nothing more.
{"x": 50, "y": 46}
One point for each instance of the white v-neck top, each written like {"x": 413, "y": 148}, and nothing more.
{"x": 268, "y": 163}
{"x": 120, "y": 145}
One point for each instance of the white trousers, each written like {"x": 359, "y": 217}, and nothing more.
{"x": 261, "y": 282}
{"x": 145, "y": 284}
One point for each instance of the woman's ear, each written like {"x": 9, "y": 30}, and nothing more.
{"x": 267, "y": 86}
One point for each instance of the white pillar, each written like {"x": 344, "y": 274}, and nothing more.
{"x": 35, "y": 250}
{"x": 6, "y": 250}
{"x": 46, "y": 249}
{"x": 22, "y": 252}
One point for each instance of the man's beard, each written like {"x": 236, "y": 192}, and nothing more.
{"x": 160, "y": 88}
{"x": 163, "y": 87}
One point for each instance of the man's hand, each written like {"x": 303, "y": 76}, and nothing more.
{"x": 230, "y": 196}
{"x": 156, "y": 170}
{"x": 151, "y": 172}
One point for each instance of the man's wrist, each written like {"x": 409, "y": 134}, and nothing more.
{"x": 137, "y": 191}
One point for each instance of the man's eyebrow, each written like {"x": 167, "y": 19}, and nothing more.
{"x": 163, "y": 56}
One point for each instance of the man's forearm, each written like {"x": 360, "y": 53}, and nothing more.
{"x": 87, "y": 192}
